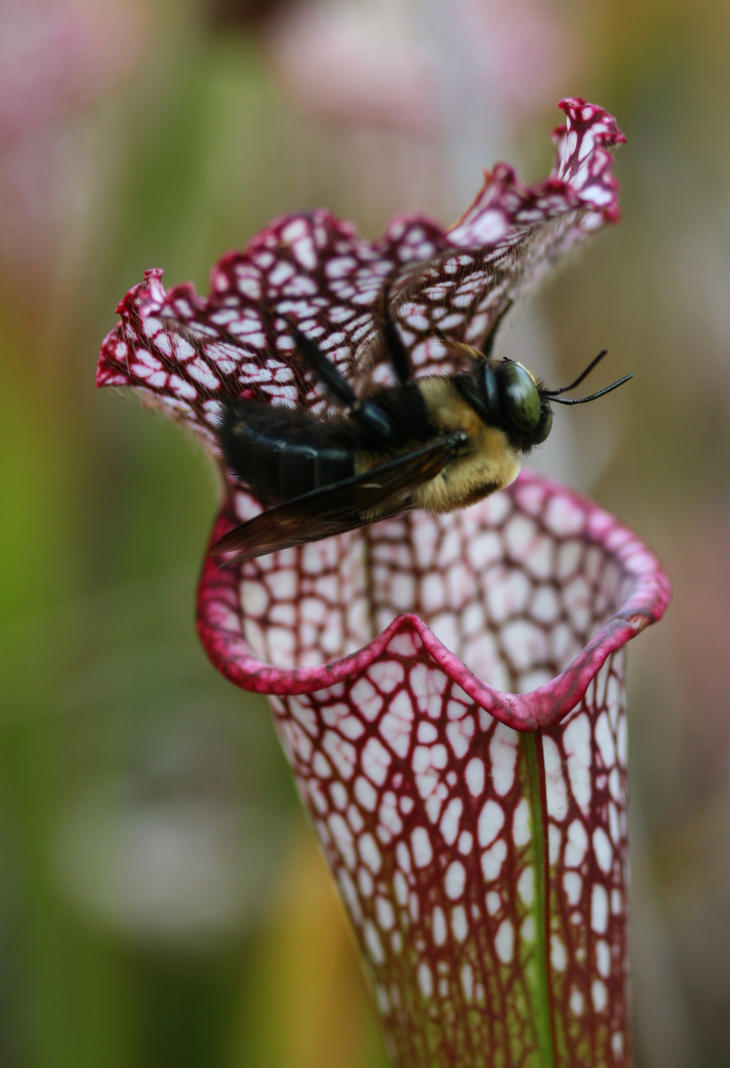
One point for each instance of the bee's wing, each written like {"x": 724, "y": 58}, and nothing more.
{"x": 342, "y": 506}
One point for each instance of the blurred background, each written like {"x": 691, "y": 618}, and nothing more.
{"x": 162, "y": 900}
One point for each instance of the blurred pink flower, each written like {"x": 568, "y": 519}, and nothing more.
{"x": 55, "y": 60}
{"x": 477, "y": 829}
{"x": 55, "y": 57}
{"x": 351, "y": 61}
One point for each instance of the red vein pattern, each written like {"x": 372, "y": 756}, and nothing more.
{"x": 449, "y": 690}
{"x": 417, "y": 773}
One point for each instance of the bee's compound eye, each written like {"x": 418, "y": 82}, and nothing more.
{"x": 489, "y": 387}
{"x": 521, "y": 396}
{"x": 543, "y": 428}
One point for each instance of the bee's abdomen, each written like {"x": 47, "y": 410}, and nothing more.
{"x": 282, "y": 453}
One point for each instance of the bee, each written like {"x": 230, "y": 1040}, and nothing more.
{"x": 437, "y": 442}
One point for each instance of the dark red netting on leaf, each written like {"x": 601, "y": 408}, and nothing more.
{"x": 449, "y": 690}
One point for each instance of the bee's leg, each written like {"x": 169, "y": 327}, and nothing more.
{"x": 365, "y": 411}
{"x": 400, "y": 357}
{"x": 488, "y": 343}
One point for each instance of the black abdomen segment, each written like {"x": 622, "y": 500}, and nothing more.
{"x": 282, "y": 452}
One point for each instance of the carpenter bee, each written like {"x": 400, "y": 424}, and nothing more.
{"x": 437, "y": 442}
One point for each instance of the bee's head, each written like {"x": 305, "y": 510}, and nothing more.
{"x": 524, "y": 409}
{"x": 506, "y": 394}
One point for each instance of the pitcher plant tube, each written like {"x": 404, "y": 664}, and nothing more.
{"x": 448, "y": 688}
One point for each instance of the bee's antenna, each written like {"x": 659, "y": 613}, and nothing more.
{"x": 579, "y": 379}
{"x": 592, "y": 396}
{"x": 554, "y": 394}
